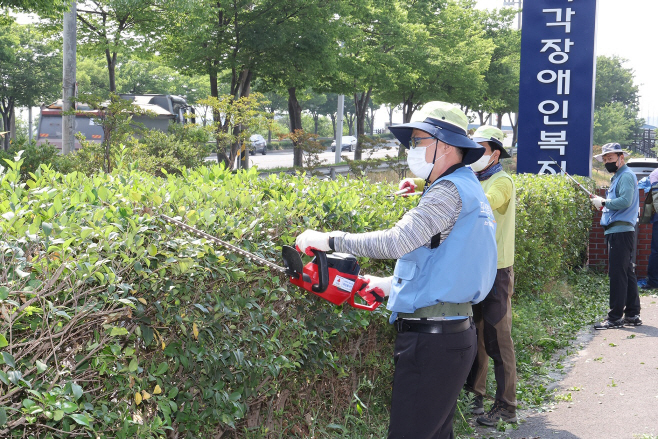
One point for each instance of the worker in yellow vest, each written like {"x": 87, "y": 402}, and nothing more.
{"x": 493, "y": 316}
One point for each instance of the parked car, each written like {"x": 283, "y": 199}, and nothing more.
{"x": 642, "y": 167}
{"x": 257, "y": 143}
{"x": 348, "y": 143}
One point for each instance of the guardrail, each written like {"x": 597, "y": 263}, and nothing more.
{"x": 332, "y": 171}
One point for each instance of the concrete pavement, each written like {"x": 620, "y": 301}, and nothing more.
{"x": 609, "y": 390}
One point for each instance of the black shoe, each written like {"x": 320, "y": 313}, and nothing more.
{"x": 610, "y": 324}
{"x": 499, "y": 412}
{"x": 477, "y": 407}
{"x": 633, "y": 320}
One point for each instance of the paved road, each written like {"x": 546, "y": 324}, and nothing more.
{"x": 613, "y": 382}
{"x": 280, "y": 159}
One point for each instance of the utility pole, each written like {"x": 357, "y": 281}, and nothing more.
{"x": 68, "y": 83}
{"x": 512, "y": 4}
{"x": 339, "y": 127}
{"x": 29, "y": 123}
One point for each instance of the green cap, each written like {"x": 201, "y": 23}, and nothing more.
{"x": 444, "y": 122}
{"x": 442, "y": 111}
{"x": 493, "y": 135}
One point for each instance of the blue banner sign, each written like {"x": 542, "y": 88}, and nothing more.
{"x": 556, "y": 96}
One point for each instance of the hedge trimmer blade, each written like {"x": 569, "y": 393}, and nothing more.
{"x": 231, "y": 247}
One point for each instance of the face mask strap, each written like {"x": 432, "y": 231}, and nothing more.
{"x": 427, "y": 180}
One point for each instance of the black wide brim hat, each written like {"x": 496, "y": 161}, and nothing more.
{"x": 443, "y": 131}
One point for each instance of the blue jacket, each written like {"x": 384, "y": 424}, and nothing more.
{"x": 628, "y": 214}
{"x": 461, "y": 269}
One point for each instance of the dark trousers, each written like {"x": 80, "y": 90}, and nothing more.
{"x": 624, "y": 298}
{"x": 493, "y": 321}
{"x": 652, "y": 267}
{"x": 429, "y": 372}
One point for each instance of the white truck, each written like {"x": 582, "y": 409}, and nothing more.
{"x": 164, "y": 109}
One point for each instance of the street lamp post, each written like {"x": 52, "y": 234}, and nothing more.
{"x": 512, "y": 4}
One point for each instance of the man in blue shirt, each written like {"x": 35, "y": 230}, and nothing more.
{"x": 446, "y": 260}
{"x": 620, "y": 211}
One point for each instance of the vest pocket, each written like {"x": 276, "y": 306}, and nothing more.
{"x": 404, "y": 272}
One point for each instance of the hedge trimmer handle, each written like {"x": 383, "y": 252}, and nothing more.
{"x": 360, "y": 284}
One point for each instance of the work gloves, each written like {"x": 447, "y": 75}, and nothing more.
{"x": 597, "y": 202}
{"x": 377, "y": 289}
{"x": 312, "y": 240}
{"x": 410, "y": 186}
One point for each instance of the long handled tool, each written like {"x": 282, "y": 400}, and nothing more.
{"x": 334, "y": 277}
{"x": 591, "y": 195}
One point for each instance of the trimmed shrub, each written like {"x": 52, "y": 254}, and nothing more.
{"x": 553, "y": 220}
{"x": 113, "y": 324}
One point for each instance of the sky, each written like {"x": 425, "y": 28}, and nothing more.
{"x": 626, "y": 29}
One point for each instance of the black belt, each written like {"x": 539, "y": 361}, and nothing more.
{"x": 433, "y": 326}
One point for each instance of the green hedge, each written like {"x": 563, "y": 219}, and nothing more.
{"x": 553, "y": 220}
{"x": 116, "y": 324}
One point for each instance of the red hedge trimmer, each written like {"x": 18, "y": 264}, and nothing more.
{"x": 334, "y": 277}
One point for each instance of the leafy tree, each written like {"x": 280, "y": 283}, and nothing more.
{"x": 501, "y": 93}
{"x": 443, "y": 55}
{"x": 245, "y": 112}
{"x": 304, "y": 49}
{"x": 91, "y": 75}
{"x": 107, "y": 27}
{"x": 31, "y": 70}
{"x": 611, "y": 124}
{"x": 615, "y": 84}
{"x": 370, "y": 31}
{"x": 139, "y": 76}
{"x": 37, "y": 6}
{"x": 315, "y": 106}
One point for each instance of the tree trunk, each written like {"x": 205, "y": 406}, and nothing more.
{"x": 12, "y": 124}
{"x": 515, "y": 127}
{"x": 111, "y": 59}
{"x": 7, "y": 112}
{"x": 408, "y": 109}
{"x": 499, "y": 122}
{"x": 361, "y": 105}
{"x": 295, "y": 114}
{"x": 5, "y": 124}
{"x": 333, "y": 123}
{"x": 316, "y": 119}
{"x": 390, "y": 114}
{"x": 481, "y": 116}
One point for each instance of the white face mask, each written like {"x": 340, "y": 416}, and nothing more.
{"x": 481, "y": 164}
{"x": 417, "y": 163}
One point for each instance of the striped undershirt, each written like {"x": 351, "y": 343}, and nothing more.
{"x": 437, "y": 212}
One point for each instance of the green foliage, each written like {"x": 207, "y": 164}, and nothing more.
{"x": 233, "y": 122}
{"x": 161, "y": 153}
{"x": 612, "y": 124}
{"x": 105, "y": 302}
{"x": 33, "y": 156}
{"x": 553, "y": 219}
{"x": 116, "y": 324}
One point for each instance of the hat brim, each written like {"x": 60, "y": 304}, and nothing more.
{"x": 472, "y": 150}
{"x": 599, "y": 157}
{"x": 496, "y": 144}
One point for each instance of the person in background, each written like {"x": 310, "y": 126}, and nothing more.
{"x": 620, "y": 211}
{"x": 446, "y": 260}
{"x": 493, "y": 316}
{"x": 650, "y": 183}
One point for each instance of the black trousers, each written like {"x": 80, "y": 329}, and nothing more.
{"x": 624, "y": 298}
{"x": 429, "y": 372}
